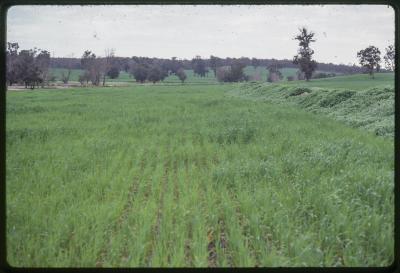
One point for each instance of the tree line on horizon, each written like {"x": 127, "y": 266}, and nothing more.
{"x": 31, "y": 67}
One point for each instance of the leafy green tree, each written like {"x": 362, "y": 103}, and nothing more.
{"x": 237, "y": 73}
{"x": 90, "y": 63}
{"x": 113, "y": 73}
{"x": 181, "y": 75}
{"x": 199, "y": 66}
{"x": 234, "y": 73}
{"x": 42, "y": 61}
{"x": 154, "y": 74}
{"x": 274, "y": 74}
{"x": 174, "y": 65}
{"x": 389, "y": 57}
{"x": 140, "y": 73}
{"x": 215, "y": 62}
{"x": 12, "y": 58}
{"x": 370, "y": 59}
{"x": 304, "y": 57}
{"x": 27, "y": 70}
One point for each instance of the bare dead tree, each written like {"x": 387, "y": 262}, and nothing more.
{"x": 107, "y": 62}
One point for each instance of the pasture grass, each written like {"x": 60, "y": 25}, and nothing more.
{"x": 190, "y": 176}
{"x": 352, "y": 82}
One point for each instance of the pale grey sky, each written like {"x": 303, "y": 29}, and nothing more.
{"x": 185, "y": 31}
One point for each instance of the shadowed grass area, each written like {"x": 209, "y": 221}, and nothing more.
{"x": 176, "y": 176}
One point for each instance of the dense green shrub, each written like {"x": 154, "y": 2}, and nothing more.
{"x": 334, "y": 98}
{"x": 299, "y": 91}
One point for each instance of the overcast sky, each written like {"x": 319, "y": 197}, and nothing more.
{"x": 186, "y": 31}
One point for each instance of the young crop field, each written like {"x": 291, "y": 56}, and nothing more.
{"x": 193, "y": 176}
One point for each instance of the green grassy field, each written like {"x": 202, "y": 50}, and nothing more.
{"x": 353, "y": 82}
{"x": 57, "y": 72}
{"x": 191, "y": 176}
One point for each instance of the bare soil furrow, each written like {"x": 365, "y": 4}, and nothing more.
{"x": 244, "y": 224}
{"x": 157, "y": 225}
{"x": 122, "y": 217}
{"x": 211, "y": 248}
{"x": 224, "y": 242}
{"x": 188, "y": 248}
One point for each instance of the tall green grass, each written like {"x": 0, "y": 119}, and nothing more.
{"x": 181, "y": 176}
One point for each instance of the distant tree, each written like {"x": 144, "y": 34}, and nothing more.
{"x": 12, "y": 59}
{"x": 234, "y": 73}
{"x": 199, "y": 66}
{"x": 65, "y": 75}
{"x": 224, "y": 74}
{"x": 165, "y": 67}
{"x": 52, "y": 78}
{"x": 369, "y": 58}
{"x": 30, "y": 67}
{"x": 181, "y": 75}
{"x": 140, "y": 73}
{"x": 113, "y": 72}
{"x": 255, "y": 63}
{"x": 215, "y": 62}
{"x": 42, "y": 61}
{"x": 304, "y": 56}
{"x": 92, "y": 65}
{"x": 237, "y": 73}
{"x": 389, "y": 57}
{"x": 107, "y": 63}
{"x": 27, "y": 70}
{"x": 164, "y": 74}
{"x": 126, "y": 67}
{"x": 154, "y": 74}
{"x": 174, "y": 65}
{"x": 85, "y": 77}
{"x": 274, "y": 74}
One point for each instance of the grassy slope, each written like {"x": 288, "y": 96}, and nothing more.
{"x": 372, "y": 109}
{"x": 161, "y": 176}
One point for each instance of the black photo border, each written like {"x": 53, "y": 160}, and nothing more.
{"x": 6, "y": 4}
